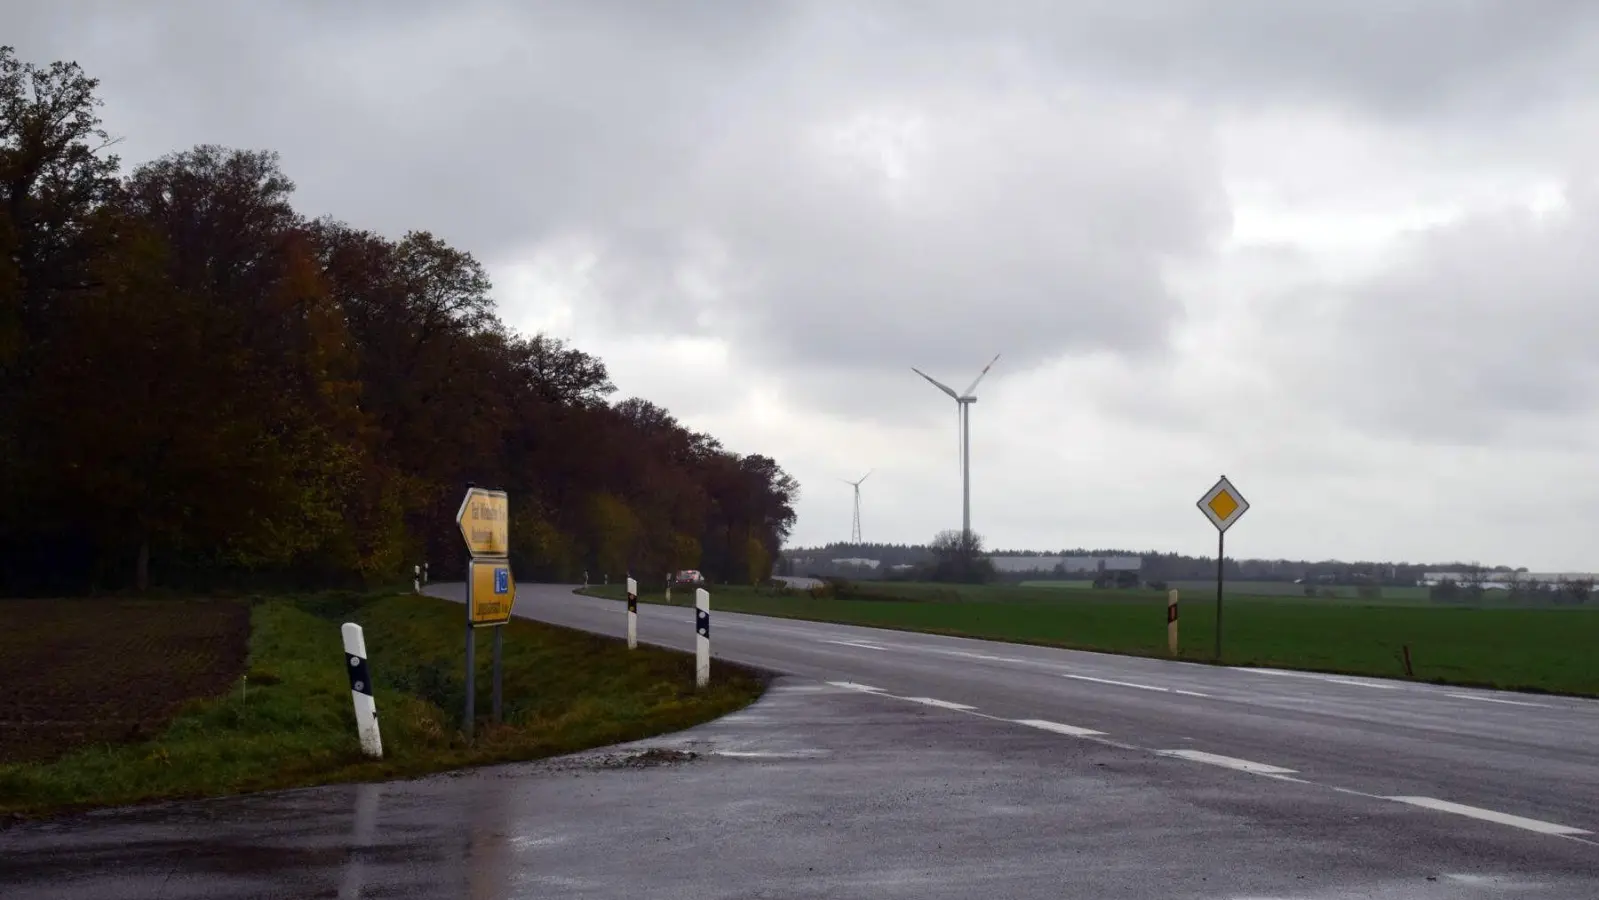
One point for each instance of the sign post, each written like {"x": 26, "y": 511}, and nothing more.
{"x": 1223, "y": 506}
{"x": 490, "y": 590}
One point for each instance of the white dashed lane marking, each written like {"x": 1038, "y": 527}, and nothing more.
{"x": 1488, "y": 815}
{"x": 1330, "y": 679}
{"x": 855, "y": 686}
{"x": 1252, "y": 767}
{"x": 1058, "y": 728}
{"x": 985, "y": 657}
{"x": 1134, "y": 684}
{"x": 941, "y": 704}
{"x": 863, "y": 645}
{"x": 1228, "y": 762}
{"x": 1481, "y": 699}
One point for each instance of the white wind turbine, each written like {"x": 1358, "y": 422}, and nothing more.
{"x": 963, "y": 403}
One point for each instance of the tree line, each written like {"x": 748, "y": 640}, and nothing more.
{"x": 1154, "y": 567}
{"x": 950, "y": 557}
{"x": 200, "y": 386}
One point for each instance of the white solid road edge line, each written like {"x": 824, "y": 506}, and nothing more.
{"x": 1488, "y": 815}
{"x": 1228, "y": 762}
{"x": 1058, "y": 728}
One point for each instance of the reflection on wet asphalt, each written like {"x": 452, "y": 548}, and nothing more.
{"x": 814, "y": 792}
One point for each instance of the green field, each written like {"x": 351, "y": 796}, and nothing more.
{"x": 1280, "y": 589}
{"x": 1289, "y": 589}
{"x": 1523, "y": 649}
{"x": 292, "y": 723}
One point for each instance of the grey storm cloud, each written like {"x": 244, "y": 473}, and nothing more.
{"x": 1475, "y": 332}
{"x": 1409, "y": 59}
{"x": 1036, "y": 228}
{"x": 831, "y": 186}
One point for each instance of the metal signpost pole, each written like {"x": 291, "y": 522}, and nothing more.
{"x": 470, "y": 713}
{"x": 498, "y": 641}
{"x": 1223, "y": 506}
{"x": 1221, "y": 551}
{"x": 490, "y": 589}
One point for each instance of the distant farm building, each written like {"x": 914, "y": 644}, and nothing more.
{"x": 1504, "y": 580}
{"x": 1070, "y": 566}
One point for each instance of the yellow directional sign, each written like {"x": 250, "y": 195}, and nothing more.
{"x": 485, "y": 523}
{"x": 1223, "y": 505}
{"x": 490, "y": 592}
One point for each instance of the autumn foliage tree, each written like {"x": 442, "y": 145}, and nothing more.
{"x": 201, "y": 386}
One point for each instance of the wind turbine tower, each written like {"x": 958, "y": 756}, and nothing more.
{"x": 963, "y": 422}
{"x": 855, "y": 531}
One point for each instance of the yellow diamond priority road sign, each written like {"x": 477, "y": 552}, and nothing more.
{"x": 485, "y": 523}
{"x": 1223, "y": 505}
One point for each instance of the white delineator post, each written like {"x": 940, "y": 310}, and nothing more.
{"x": 416, "y": 579}
{"x": 702, "y": 639}
{"x": 1171, "y": 622}
{"x": 366, "y": 710}
{"x": 632, "y": 614}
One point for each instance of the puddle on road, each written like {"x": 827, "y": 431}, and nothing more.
{"x": 644, "y": 759}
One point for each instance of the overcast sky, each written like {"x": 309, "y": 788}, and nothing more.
{"x": 1345, "y": 253}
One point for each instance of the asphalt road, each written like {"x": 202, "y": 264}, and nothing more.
{"x": 1476, "y": 761}
{"x": 902, "y": 765}
{"x": 1533, "y": 756}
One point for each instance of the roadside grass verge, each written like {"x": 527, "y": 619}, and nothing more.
{"x": 290, "y": 721}
{"x": 1537, "y": 650}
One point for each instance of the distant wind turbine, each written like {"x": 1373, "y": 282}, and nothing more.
{"x": 963, "y": 403}
{"x": 855, "y": 532}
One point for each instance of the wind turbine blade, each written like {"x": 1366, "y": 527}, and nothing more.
{"x": 981, "y": 374}
{"x": 867, "y": 475}
{"x": 935, "y": 383}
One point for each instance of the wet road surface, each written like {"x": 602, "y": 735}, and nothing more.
{"x": 901, "y": 765}
{"x": 1535, "y": 757}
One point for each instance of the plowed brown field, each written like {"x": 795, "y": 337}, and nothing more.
{"x": 84, "y": 671}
